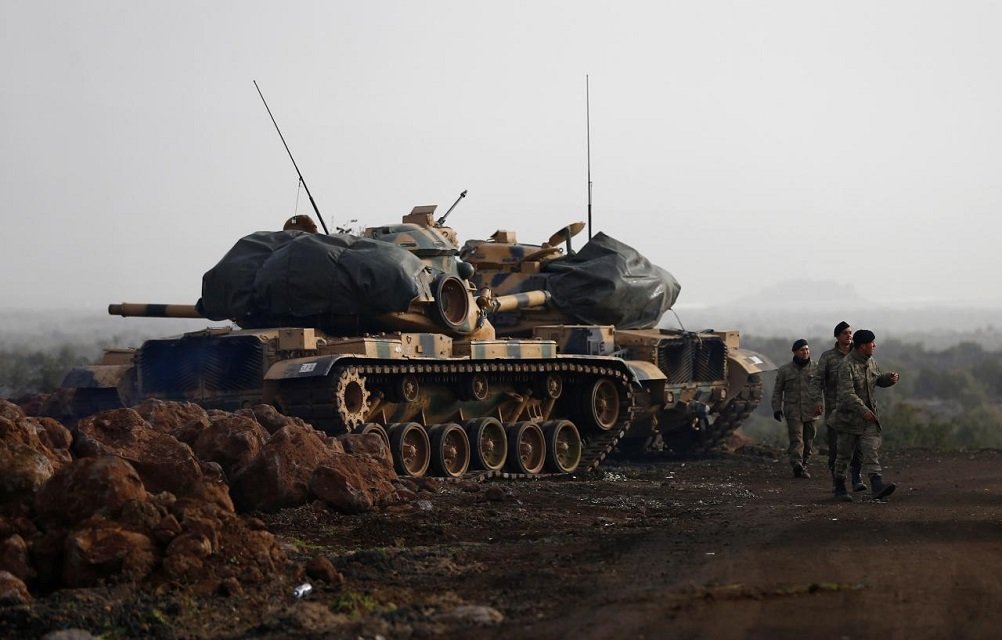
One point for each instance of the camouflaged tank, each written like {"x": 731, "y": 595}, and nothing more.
{"x": 691, "y": 389}
{"x": 431, "y": 376}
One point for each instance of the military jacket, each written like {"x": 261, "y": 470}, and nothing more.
{"x": 825, "y": 386}
{"x": 792, "y": 392}
{"x": 858, "y": 378}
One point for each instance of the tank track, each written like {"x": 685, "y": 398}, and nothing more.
{"x": 710, "y": 439}
{"x": 596, "y": 445}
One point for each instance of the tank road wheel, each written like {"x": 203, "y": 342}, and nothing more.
{"x": 411, "y": 449}
{"x": 488, "y": 444}
{"x": 601, "y": 404}
{"x": 372, "y": 427}
{"x": 563, "y": 446}
{"x": 351, "y": 399}
{"x": 526, "y": 448}
{"x": 450, "y": 450}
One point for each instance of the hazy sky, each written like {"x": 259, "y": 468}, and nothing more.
{"x": 736, "y": 144}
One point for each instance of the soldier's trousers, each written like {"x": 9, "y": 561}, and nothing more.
{"x": 831, "y": 437}
{"x": 801, "y": 441}
{"x": 869, "y": 448}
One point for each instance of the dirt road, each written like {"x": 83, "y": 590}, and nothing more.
{"x": 729, "y": 547}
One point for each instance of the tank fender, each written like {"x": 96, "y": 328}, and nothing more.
{"x": 309, "y": 367}
{"x": 96, "y": 376}
{"x": 750, "y": 361}
{"x": 645, "y": 372}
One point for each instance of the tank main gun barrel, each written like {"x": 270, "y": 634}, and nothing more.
{"x": 524, "y": 300}
{"x": 145, "y": 310}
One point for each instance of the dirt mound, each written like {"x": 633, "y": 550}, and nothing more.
{"x": 163, "y": 493}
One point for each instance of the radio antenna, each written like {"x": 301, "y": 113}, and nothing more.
{"x": 301, "y": 180}
{"x": 588, "y": 126}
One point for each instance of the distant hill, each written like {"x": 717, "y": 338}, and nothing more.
{"x": 799, "y": 293}
{"x": 811, "y": 309}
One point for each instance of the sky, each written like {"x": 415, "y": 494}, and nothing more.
{"x": 740, "y": 145}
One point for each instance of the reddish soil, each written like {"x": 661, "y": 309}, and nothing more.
{"x": 727, "y": 547}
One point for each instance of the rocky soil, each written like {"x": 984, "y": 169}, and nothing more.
{"x": 165, "y": 521}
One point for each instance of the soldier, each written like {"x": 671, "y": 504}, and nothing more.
{"x": 856, "y": 414}
{"x": 824, "y": 392}
{"x": 791, "y": 397}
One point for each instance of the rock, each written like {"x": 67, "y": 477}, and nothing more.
{"x": 31, "y": 450}
{"x": 167, "y": 529}
{"x": 186, "y": 556}
{"x": 183, "y": 420}
{"x": 23, "y": 470}
{"x": 101, "y": 549}
{"x": 13, "y": 591}
{"x": 368, "y": 444}
{"x": 10, "y": 411}
{"x": 321, "y": 569}
{"x": 495, "y": 494}
{"x": 142, "y": 515}
{"x": 54, "y": 437}
{"x": 354, "y": 484}
{"x": 163, "y": 462}
{"x": 269, "y": 417}
{"x": 232, "y": 441}
{"x": 14, "y": 558}
{"x": 216, "y": 544}
{"x": 88, "y": 486}
{"x": 279, "y": 477}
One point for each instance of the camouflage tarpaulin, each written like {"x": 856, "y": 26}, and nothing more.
{"x": 608, "y": 282}
{"x": 287, "y": 275}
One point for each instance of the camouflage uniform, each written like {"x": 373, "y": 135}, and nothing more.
{"x": 858, "y": 378}
{"x": 792, "y": 395}
{"x": 824, "y": 390}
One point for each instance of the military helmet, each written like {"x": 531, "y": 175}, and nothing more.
{"x": 300, "y": 223}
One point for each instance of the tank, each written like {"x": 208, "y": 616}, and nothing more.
{"x": 381, "y": 333}
{"x": 692, "y": 388}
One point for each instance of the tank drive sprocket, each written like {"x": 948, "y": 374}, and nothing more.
{"x": 351, "y": 397}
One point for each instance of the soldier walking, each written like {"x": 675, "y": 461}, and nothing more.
{"x": 824, "y": 394}
{"x": 791, "y": 397}
{"x": 856, "y": 414}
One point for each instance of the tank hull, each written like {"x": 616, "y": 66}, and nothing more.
{"x": 414, "y": 382}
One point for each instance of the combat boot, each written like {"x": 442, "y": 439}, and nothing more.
{"x": 841, "y": 493}
{"x": 879, "y": 490}
{"x": 857, "y": 479}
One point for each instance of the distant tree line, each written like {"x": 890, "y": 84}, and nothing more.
{"x": 26, "y": 371}
{"x": 946, "y": 399}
